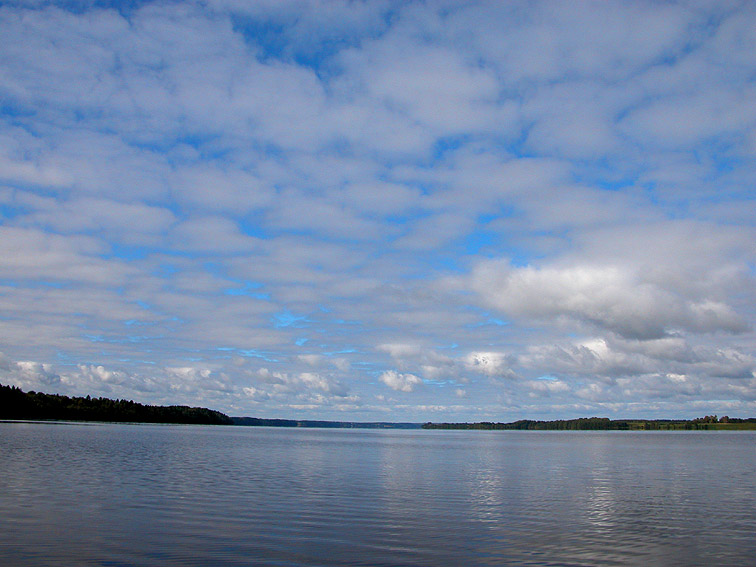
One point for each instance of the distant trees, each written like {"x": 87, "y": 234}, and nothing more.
{"x": 723, "y": 419}
{"x": 708, "y": 419}
{"x": 16, "y": 404}
{"x": 606, "y": 424}
{"x": 580, "y": 424}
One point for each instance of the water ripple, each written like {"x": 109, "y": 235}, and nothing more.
{"x": 117, "y": 495}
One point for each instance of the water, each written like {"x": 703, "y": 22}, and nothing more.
{"x": 117, "y": 495}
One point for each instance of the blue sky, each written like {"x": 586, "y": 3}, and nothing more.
{"x": 424, "y": 211}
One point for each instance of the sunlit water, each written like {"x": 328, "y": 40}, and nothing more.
{"x": 113, "y": 495}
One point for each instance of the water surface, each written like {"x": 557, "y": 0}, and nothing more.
{"x": 113, "y": 495}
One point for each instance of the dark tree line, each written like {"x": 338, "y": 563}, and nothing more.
{"x": 604, "y": 424}
{"x": 17, "y": 404}
{"x": 583, "y": 423}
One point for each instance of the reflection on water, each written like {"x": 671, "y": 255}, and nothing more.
{"x": 75, "y": 494}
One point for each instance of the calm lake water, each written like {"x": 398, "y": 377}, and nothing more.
{"x": 117, "y": 495}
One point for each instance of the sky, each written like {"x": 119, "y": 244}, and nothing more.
{"x": 381, "y": 211}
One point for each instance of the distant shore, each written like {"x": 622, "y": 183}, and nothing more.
{"x": 712, "y": 422}
{"x": 265, "y": 422}
{"x": 18, "y": 405}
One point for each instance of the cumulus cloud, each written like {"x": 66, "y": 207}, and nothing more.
{"x": 30, "y": 375}
{"x": 610, "y": 297}
{"x": 87, "y": 379}
{"x": 400, "y": 382}
{"x": 666, "y": 365}
{"x": 419, "y": 357}
{"x": 284, "y": 383}
{"x": 492, "y": 364}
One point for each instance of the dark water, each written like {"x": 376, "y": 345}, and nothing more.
{"x": 112, "y": 495}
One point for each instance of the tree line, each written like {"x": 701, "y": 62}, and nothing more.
{"x": 17, "y": 404}
{"x": 606, "y": 424}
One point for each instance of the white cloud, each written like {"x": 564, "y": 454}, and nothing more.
{"x": 400, "y": 350}
{"x": 32, "y": 254}
{"x": 282, "y": 383}
{"x": 492, "y": 364}
{"x": 638, "y": 370}
{"x": 400, "y": 382}
{"x": 609, "y": 297}
{"x": 133, "y": 222}
{"x": 311, "y": 359}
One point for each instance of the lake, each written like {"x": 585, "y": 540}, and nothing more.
{"x": 118, "y": 495}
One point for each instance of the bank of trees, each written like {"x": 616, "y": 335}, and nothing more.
{"x": 583, "y": 423}
{"x": 606, "y": 424}
{"x": 17, "y": 404}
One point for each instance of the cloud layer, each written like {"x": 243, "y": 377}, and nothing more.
{"x": 381, "y": 210}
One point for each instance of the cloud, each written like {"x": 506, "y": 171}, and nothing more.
{"x": 637, "y": 364}
{"x": 399, "y": 350}
{"x": 421, "y": 358}
{"x": 492, "y": 364}
{"x": 135, "y": 223}
{"x": 303, "y": 382}
{"x": 34, "y": 254}
{"x": 554, "y": 219}
{"x": 434, "y": 86}
{"x": 609, "y": 297}
{"x": 212, "y": 235}
{"x": 29, "y": 375}
{"x": 400, "y": 382}
{"x": 547, "y": 387}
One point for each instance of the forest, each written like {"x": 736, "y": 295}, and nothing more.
{"x": 605, "y": 424}
{"x": 19, "y": 405}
